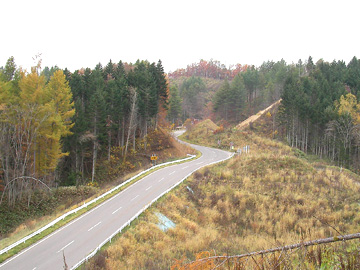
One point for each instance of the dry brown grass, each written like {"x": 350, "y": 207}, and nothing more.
{"x": 257, "y": 201}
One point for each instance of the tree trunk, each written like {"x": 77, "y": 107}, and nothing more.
{"x": 145, "y": 136}
{"x": 76, "y": 165}
{"x": 109, "y": 144}
{"x": 134, "y": 139}
{"x": 122, "y": 141}
{"x": 131, "y": 122}
{"x": 95, "y": 148}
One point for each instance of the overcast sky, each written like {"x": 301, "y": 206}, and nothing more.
{"x": 77, "y": 33}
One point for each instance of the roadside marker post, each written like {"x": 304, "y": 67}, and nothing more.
{"x": 153, "y": 158}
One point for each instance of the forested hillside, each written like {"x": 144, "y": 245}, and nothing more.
{"x": 319, "y": 112}
{"x": 209, "y": 69}
{"x": 202, "y": 92}
{"x": 61, "y": 128}
{"x": 191, "y": 97}
{"x": 116, "y": 106}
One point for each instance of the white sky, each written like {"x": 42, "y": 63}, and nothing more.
{"x": 78, "y": 33}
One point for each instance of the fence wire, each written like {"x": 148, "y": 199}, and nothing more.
{"x": 328, "y": 253}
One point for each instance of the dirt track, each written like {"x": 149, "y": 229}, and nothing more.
{"x": 246, "y": 123}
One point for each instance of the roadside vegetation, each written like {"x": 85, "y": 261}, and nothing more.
{"x": 28, "y": 216}
{"x": 266, "y": 198}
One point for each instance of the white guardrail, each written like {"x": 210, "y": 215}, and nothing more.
{"x": 138, "y": 214}
{"x": 23, "y": 240}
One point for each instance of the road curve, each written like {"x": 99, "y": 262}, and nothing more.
{"x": 81, "y": 236}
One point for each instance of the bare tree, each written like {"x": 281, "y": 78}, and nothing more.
{"x": 19, "y": 130}
{"x": 132, "y": 121}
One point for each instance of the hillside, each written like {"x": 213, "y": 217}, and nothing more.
{"x": 266, "y": 198}
{"x": 196, "y": 99}
{"x": 244, "y": 124}
{"x": 28, "y": 215}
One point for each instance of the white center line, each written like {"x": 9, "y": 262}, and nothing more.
{"x": 66, "y": 246}
{"x": 161, "y": 179}
{"x": 185, "y": 167}
{"x": 172, "y": 173}
{"x": 134, "y": 197}
{"x": 34, "y": 268}
{"x": 149, "y": 188}
{"x": 117, "y": 210}
{"x": 199, "y": 162}
{"x": 93, "y": 226}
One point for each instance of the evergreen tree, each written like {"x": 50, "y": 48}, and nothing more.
{"x": 97, "y": 116}
{"x": 191, "y": 94}
{"x": 353, "y": 76}
{"x": 222, "y": 101}
{"x": 174, "y": 112}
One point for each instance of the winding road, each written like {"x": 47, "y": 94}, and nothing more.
{"x": 81, "y": 236}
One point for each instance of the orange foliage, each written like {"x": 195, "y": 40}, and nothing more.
{"x": 200, "y": 263}
{"x": 219, "y": 130}
{"x": 209, "y": 69}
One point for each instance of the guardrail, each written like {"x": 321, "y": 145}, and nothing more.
{"x": 138, "y": 214}
{"x": 23, "y": 240}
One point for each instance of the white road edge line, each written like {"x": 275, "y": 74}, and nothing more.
{"x": 146, "y": 207}
{"x": 79, "y": 208}
{"x": 172, "y": 173}
{"x": 134, "y": 198}
{"x": 117, "y": 210}
{"x": 161, "y": 179}
{"x": 55, "y": 232}
{"x": 93, "y": 226}
{"x": 149, "y": 188}
{"x": 66, "y": 246}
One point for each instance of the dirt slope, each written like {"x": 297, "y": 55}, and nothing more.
{"x": 246, "y": 123}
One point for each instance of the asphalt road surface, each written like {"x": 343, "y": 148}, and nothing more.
{"x": 78, "y": 238}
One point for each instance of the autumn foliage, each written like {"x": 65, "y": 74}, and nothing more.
{"x": 198, "y": 264}
{"x": 209, "y": 69}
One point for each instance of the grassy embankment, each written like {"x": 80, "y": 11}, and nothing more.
{"x": 22, "y": 219}
{"x": 266, "y": 198}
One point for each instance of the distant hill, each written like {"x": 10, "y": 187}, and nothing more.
{"x": 197, "y": 104}
{"x": 209, "y": 69}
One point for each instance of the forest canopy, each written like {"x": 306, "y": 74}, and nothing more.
{"x": 56, "y": 126}
{"x": 59, "y": 127}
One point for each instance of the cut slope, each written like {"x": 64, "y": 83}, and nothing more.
{"x": 254, "y": 117}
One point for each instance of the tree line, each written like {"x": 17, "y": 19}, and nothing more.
{"x": 209, "y": 69}
{"x": 319, "y": 112}
{"x": 250, "y": 90}
{"x": 57, "y": 125}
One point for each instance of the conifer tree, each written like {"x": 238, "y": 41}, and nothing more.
{"x": 174, "y": 112}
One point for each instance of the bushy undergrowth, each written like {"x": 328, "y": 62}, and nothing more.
{"x": 42, "y": 203}
{"x": 255, "y": 201}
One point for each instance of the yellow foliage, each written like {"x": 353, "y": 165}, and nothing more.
{"x": 349, "y": 105}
